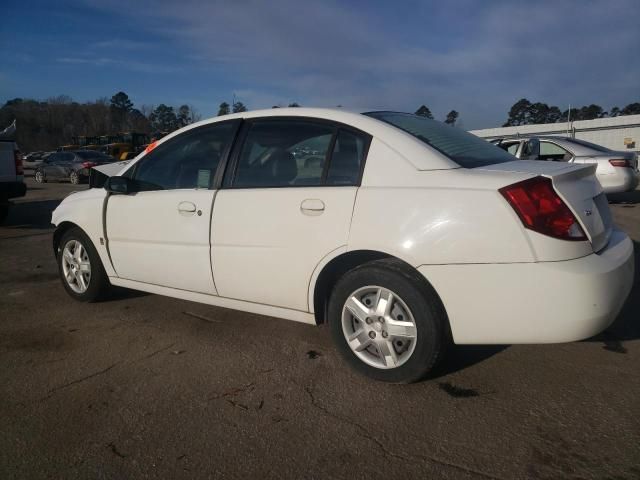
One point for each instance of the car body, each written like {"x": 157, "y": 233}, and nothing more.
{"x": 70, "y": 165}
{"x": 616, "y": 171}
{"x": 406, "y": 231}
{"x": 11, "y": 171}
{"x": 32, "y": 160}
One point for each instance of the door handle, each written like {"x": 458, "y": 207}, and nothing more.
{"x": 187, "y": 207}
{"x": 312, "y": 206}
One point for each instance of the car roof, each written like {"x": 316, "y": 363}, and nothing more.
{"x": 408, "y": 146}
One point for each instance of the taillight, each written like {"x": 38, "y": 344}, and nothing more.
{"x": 88, "y": 164}
{"x": 621, "y": 162}
{"x": 542, "y": 210}
{"x": 17, "y": 158}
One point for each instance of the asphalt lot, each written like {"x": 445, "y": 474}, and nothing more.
{"x": 142, "y": 386}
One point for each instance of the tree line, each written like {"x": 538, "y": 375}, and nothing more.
{"x": 45, "y": 125}
{"x": 523, "y": 112}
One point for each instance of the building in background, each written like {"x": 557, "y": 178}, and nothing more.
{"x": 616, "y": 133}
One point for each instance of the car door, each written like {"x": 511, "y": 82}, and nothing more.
{"x": 286, "y": 204}
{"x": 160, "y": 235}
{"x": 64, "y": 165}
{"x": 51, "y": 165}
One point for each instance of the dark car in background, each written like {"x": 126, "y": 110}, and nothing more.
{"x": 72, "y": 165}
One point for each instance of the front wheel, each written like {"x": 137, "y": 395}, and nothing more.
{"x": 387, "y": 322}
{"x": 40, "y": 178}
{"x": 81, "y": 270}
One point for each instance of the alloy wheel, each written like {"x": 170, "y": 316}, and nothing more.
{"x": 379, "y": 327}
{"x": 76, "y": 266}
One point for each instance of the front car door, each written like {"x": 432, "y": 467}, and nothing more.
{"x": 286, "y": 204}
{"x": 160, "y": 235}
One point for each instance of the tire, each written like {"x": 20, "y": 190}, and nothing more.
{"x": 74, "y": 177}
{"x": 39, "y": 176}
{"x": 415, "y": 350}
{"x": 73, "y": 274}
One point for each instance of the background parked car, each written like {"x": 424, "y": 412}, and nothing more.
{"x": 11, "y": 173}
{"x": 73, "y": 166}
{"x": 616, "y": 171}
{"x": 33, "y": 160}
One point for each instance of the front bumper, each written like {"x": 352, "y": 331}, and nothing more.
{"x": 12, "y": 190}
{"x": 544, "y": 302}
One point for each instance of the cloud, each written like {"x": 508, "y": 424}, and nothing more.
{"x": 475, "y": 57}
{"x": 133, "y": 65}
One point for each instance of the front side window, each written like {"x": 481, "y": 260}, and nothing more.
{"x": 278, "y": 153}
{"x": 187, "y": 161}
{"x": 465, "y": 149}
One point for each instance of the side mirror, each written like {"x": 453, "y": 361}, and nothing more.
{"x": 120, "y": 185}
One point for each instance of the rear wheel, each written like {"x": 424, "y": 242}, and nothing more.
{"x": 387, "y": 322}
{"x": 74, "y": 177}
{"x": 81, "y": 270}
{"x": 40, "y": 178}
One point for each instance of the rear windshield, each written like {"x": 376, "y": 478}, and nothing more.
{"x": 465, "y": 149}
{"x": 592, "y": 146}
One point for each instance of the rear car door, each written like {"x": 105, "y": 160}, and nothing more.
{"x": 160, "y": 235}
{"x": 287, "y": 203}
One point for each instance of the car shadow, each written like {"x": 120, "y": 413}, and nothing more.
{"x": 461, "y": 357}
{"x": 626, "y": 198}
{"x": 36, "y": 214}
{"x": 117, "y": 294}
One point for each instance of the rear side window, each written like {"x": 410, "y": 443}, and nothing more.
{"x": 281, "y": 153}
{"x": 462, "y": 147}
{"x": 551, "y": 151}
{"x": 346, "y": 160}
{"x": 187, "y": 161}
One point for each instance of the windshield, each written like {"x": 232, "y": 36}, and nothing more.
{"x": 593, "y": 146}
{"x": 465, "y": 149}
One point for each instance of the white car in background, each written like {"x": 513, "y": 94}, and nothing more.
{"x": 616, "y": 171}
{"x": 400, "y": 232}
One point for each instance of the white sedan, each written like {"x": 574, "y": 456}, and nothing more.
{"x": 402, "y": 233}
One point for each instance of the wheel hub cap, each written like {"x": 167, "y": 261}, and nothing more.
{"x": 76, "y": 267}
{"x": 379, "y": 327}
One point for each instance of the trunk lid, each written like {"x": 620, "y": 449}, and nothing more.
{"x": 578, "y": 186}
